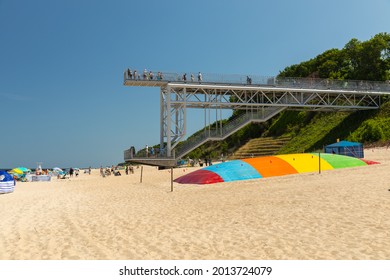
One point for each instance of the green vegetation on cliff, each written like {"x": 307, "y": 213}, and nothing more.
{"x": 368, "y": 60}
{"x": 310, "y": 131}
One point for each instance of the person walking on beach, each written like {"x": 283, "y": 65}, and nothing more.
{"x": 102, "y": 172}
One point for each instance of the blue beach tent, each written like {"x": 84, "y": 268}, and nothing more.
{"x": 346, "y": 148}
{"x": 7, "y": 182}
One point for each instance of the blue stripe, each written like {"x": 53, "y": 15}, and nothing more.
{"x": 234, "y": 170}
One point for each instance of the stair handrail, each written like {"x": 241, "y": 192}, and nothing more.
{"x": 203, "y": 136}
{"x": 219, "y": 134}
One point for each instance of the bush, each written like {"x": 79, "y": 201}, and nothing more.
{"x": 369, "y": 131}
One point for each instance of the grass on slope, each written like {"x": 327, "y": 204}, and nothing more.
{"x": 307, "y": 137}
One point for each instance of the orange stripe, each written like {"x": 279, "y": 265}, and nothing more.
{"x": 271, "y": 166}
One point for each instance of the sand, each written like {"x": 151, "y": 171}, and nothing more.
{"x": 338, "y": 214}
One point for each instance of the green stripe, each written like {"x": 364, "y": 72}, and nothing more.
{"x": 339, "y": 161}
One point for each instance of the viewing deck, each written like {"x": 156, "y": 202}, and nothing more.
{"x": 257, "y": 81}
{"x": 259, "y": 98}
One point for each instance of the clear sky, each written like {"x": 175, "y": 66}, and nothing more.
{"x": 62, "y": 99}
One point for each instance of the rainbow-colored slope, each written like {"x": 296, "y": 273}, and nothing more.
{"x": 269, "y": 166}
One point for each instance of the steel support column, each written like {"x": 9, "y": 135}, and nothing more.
{"x": 173, "y": 111}
{"x": 162, "y": 118}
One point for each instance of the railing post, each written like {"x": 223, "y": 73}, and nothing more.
{"x": 162, "y": 109}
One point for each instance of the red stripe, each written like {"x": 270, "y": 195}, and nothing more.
{"x": 199, "y": 177}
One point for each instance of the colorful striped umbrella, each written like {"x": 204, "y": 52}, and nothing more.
{"x": 16, "y": 171}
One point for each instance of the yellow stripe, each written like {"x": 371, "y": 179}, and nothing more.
{"x": 305, "y": 162}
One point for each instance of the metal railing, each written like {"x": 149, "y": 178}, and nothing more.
{"x": 157, "y": 154}
{"x": 210, "y": 133}
{"x": 256, "y": 80}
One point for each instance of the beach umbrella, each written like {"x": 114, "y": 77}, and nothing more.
{"x": 58, "y": 171}
{"x": 16, "y": 171}
{"x": 24, "y": 169}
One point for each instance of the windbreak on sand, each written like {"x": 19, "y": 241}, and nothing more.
{"x": 7, "y": 182}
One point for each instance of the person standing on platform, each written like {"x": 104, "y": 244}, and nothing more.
{"x": 199, "y": 77}
{"x": 145, "y": 74}
{"x": 128, "y": 73}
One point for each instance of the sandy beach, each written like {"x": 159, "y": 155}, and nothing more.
{"x": 338, "y": 214}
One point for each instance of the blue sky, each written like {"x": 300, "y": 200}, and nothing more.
{"x": 62, "y": 101}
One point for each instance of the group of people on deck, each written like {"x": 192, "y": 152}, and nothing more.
{"x": 184, "y": 77}
{"x": 134, "y": 75}
{"x": 149, "y": 75}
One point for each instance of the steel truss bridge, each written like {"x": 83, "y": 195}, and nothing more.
{"x": 259, "y": 99}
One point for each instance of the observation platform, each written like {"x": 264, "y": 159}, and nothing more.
{"x": 259, "y": 98}
{"x": 232, "y": 80}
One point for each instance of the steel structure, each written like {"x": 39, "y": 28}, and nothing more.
{"x": 260, "y": 98}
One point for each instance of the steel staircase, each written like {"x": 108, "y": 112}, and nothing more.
{"x": 228, "y": 129}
